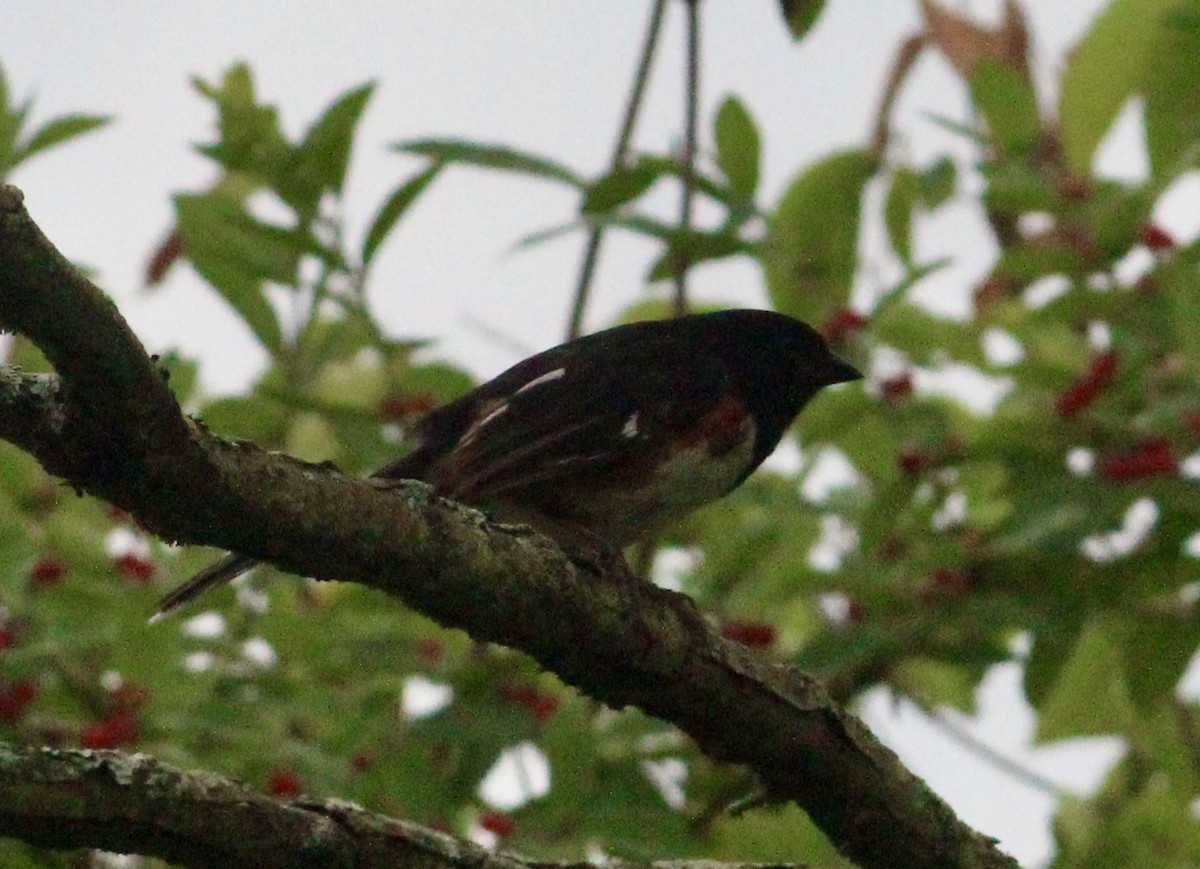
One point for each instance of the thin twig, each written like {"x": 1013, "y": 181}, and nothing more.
{"x": 691, "y": 98}
{"x": 969, "y": 741}
{"x": 906, "y": 56}
{"x": 592, "y": 251}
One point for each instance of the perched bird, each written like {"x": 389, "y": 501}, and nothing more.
{"x": 614, "y": 434}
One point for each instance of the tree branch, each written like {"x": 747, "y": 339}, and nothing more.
{"x": 113, "y": 430}
{"x": 123, "y": 803}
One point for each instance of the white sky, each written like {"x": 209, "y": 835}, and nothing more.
{"x": 546, "y": 76}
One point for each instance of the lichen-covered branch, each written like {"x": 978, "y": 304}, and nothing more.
{"x": 133, "y": 803}
{"x": 119, "y": 435}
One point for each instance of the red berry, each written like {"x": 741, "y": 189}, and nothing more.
{"x": 362, "y": 760}
{"x": 1075, "y": 187}
{"x": 755, "y": 634}
{"x": 543, "y": 707}
{"x": 891, "y": 548}
{"x": 1153, "y": 457}
{"x": 841, "y": 323}
{"x": 537, "y": 703}
{"x": 1100, "y": 374}
{"x": 1147, "y": 285}
{"x": 111, "y": 732}
{"x": 24, "y": 690}
{"x": 47, "y": 571}
{"x": 129, "y": 696}
{"x": 123, "y": 727}
{"x": 1155, "y": 237}
{"x": 135, "y": 568}
{"x": 1075, "y": 239}
{"x": 7, "y": 638}
{"x": 518, "y": 695}
{"x": 1103, "y": 369}
{"x": 14, "y": 697}
{"x": 284, "y": 783}
{"x": 955, "y": 582}
{"x": 398, "y": 408}
{"x": 497, "y": 824}
{"x": 1158, "y": 457}
{"x": 896, "y": 389}
{"x": 1074, "y": 398}
{"x": 430, "y": 652}
{"x": 912, "y": 460}
{"x": 991, "y": 290}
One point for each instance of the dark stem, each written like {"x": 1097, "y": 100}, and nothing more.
{"x": 588, "y": 268}
{"x": 688, "y": 158}
{"x": 903, "y": 63}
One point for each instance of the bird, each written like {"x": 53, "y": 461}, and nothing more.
{"x": 613, "y": 435}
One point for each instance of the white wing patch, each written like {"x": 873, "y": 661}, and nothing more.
{"x": 492, "y": 414}
{"x": 630, "y": 429}
{"x": 548, "y": 377}
{"x": 499, "y": 407}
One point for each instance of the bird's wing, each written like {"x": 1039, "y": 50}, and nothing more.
{"x": 574, "y": 419}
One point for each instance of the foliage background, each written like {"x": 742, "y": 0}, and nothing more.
{"x": 1108, "y": 645}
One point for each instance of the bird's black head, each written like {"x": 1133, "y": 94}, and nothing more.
{"x": 779, "y": 364}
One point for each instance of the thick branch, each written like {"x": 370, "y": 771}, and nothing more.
{"x": 120, "y": 802}
{"x": 623, "y": 641}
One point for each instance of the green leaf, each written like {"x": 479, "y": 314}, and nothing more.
{"x": 621, "y": 186}
{"x": 710, "y": 187}
{"x": 325, "y": 150}
{"x": 800, "y": 15}
{"x": 53, "y": 132}
{"x": 898, "y": 211}
{"x": 1115, "y": 212}
{"x": 235, "y": 253}
{"x": 738, "y": 147}
{"x": 1089, "y": 696}
{"x": 542, "y": 236}
{"x": 256, "y": 418}
{"x": 810, "y": 253}
{"x": 1054, "y": 640}
{"x": 251, "y": 141}
{"x": 1172, "y": 99}
{"x": 1006, "y": 99}
{"x": 1052, "y": 513}
{"x": 1015, "y": 187}
{"x": 924, "y": 336}
{"x": 1154, "y": 826}
{"x": 1157, "y": 655}
{"x": 497, "y": 157}
{"x": 696, "y": 247}
{"x": 394, "y": 208}
{"x": 1104, "y": 71}
{"x": 937, "y": 183}
{"x": 60, "y": 130}
{"x": 773, "y": 837}
{"x": 439, "y": 381}
{"x": 181, "y": 373}
{"x": 936, "y": 683}
{"x": 10, "y": 126}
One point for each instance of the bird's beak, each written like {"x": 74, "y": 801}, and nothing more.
{"x": 839, "y": 371}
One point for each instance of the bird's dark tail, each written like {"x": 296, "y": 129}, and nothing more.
{"x": 229, "y": 567}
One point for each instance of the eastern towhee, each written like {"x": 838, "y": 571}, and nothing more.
{"x": 616, "y": 433}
